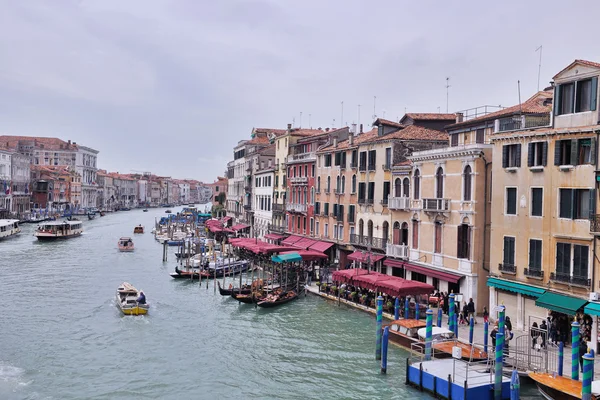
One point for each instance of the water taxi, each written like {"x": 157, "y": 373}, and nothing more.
{"x": 9, "y": 228}
{"x": 552, "y": 387}
{"x": 58, "y": 230}
{"x": 127, "y": 300}
{"x": 443, "y": 341}
{"x": 404, "y": 331}
{"x": 125, "y": 244}
{"x": 138, "y": 229}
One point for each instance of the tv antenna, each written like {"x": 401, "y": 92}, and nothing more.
{"x": 300, "y": 120}
{"x": 539, "y": 66}
{"x": 342, "y": 119}
{"x": 447, "y": 92}
{"x": 374, "y": 105}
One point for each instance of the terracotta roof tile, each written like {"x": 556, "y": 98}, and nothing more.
{"x": 403, "y": 163}
{"x": 429, "y": 116}
{"x": 381, "y": 121}
{"x": 48, "y": 142}
{"x": 582, "y": 62}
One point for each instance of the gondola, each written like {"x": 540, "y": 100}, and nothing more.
{"x": 192, "y": 274}
{"x": 91, "y": 216}
{"x": 274, "y": 303}
{"x": 243, "y": 298}
{"x": 227, "y": 292}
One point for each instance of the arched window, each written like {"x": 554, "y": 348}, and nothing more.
{"x": 467, "y": 183}
{"x": 396, "y": 233}
{"x": 361, "y": 228}
{"x": 439, "y": 183}
{"x": 312, "y": 195}
{"x": 318, "y": 184}
{"x": 305, "y": 199}
{"x": 328, "y": 189}
{"x": 338, "y": 184}
{"x": 343, "y": 184}
{"x": 293, "y": 195}
{"x": 417, "y": 185}
{"x": 386, "y": 228}
{"x": 406, "y": 187}
{"x": 398, "y": 187}
{"x": 353, "y": 183}
{"x": 404, "y": 234}
{"x": 370, "y": 229}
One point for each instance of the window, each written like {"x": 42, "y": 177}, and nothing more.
{"x": 306, "y": 170}
{"x": 415, "y": 234}
{"x": 439, "y": 183}
{"x": 397, "y": 187}
{"x": 454, "y": 140}
{"x": 480, "y": 136}
{"x": 388, "y": 158}
{"x": 363, "y": 161}
{"x": 338, "y": 184}
{"x": 327, "y": 159}
{"x": 343, "y": 184}
{"x": 317, "y": 227}
{"x": 318, "y": 184}
{"x": 537, "y": 201}
{"x": 361, "y": 191}
{"x": 511, "y": 201}
{"x": 326, "y": 209}
{"x": 372, "y": 159}
{"x": 577, "y": 96}
{"x": 535, "y": 255}
{"x": 312, "y": 195}
{"x": 537, "y": 154}
{"x": 353, "y": 184}
{"x": 576, "y": 203}
{"x": 584, "y": 151}
{"x": 463, "y": 245}
{"x": 313, "y": 171}
{"x": 467, "y": 183}
{"x": 298, "y": 218}
{"x": 371, "y": 194}
{"x": 386, "y": 192}
{"x": 509, "y": 251}
{"x": 351, "y": 213}
{"x": 438, "y": 237}
{"x": 326, "y": 230}
{"x": 328, "y": 188}
{"x": 417, "y": 185}
{"x": 563, "y": 259}
{"x": 337, "y": 161}
{"x": 580, "y": 261}
{"x": 317, "y": 208}
{"x": 511, "y": 156}
{"x": 406, "y": 187}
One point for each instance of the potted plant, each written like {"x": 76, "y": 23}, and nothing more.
{"x": 389, "y": 306}
{"x": 353, "y": 296}
{"x": 334, "y": 289}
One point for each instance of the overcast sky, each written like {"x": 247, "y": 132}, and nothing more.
{"x": 171, "y": 86}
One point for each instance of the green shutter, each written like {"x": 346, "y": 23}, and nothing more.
{"x": 530, "y": 154}
{"x": 592, "y": 202}
{"x": 545, "y": 154}
{"x": 557, "y": 152}
{"x": 594, "y": 99}
{"x": 518, "y": 155}
{"x": 557, "y": 100}
{"x": 573, "y": 160}
{"x": 593, "y": 145}
{"x": 505, "y": 156}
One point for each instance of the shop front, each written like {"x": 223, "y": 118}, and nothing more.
{"x": 519, "y": 299}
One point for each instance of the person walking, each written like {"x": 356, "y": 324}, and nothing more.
{"x": 471, "y": 308}
{"x": 486, "y": 314}
{"x": 534, "y": 332}
{"x": 493, "y": 336}
{"x": 543, "y": 333}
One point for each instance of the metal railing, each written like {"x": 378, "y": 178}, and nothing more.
{"x": 399, "y": 203}
{"x": 570, "y": 279}
{"x": 595, "y": 223}
{"x": 517, "y": 122}
{"x": 278, "y": 207}
{"x": 507, "y": 268}
{"x": 375, "y": 242}
{"x": 533, "y": 272}
{"x": 384, "y": 202}
{"x": 302, "y": 157}
{"x": 277, "y": 229}
{"x": 299, "y": 179}
{"x": 436, "y": 204}
{"x": 296, "y": 207}
{"x": 396, "y": 250}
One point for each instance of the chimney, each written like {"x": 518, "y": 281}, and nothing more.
{"x": 353, "y": 129}
{"x": 289, "y": 128}
{"x": 459, "y": 117}
{"x": 69, "y": 142}
{"x": 361, "y": 128}
{"x": 326, "y": 129}
{"x": 335, "y": 142}
{"x": 351, "y": 139}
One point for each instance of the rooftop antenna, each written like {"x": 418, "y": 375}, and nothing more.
{"x": 519, "y": 89}
{"x": 309, "y": 124}
{"x": 300, "y": 120}
{"x": 342, "y": 119}
{"x": 439, "y": 110}
{"x": 447, "y": 92}
{"x": 374, "y": 105}
{"x": 539, "y": 66}
{"x": 359, "y": 115}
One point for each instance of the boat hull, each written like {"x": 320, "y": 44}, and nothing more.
{"x": 243, "y": 298}
{"x": 402, "y": 340}
{"x": 271, "y": 304}
{"x": 57, "y": 237}
{"x": 228, "y": 292}
{"x": 134, "y": 310}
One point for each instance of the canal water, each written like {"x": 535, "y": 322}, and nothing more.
{"x": 62, "y": 336}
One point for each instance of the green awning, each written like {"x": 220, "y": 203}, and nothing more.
{"x": 561, "y": 303}
{"x": 290, "y": 257}
{"x": 592, "y": 309}
{"x": 528, "y": 290}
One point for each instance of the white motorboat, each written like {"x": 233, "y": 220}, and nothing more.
{"x": 58, "y": 230}
{"x": 9, "y": 228}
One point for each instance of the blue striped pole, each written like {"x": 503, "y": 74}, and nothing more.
{"x": 384, "y": 349}
{"x": 406, "y": 308}
{"x": 501, "y": 323}
{"x": 561, "y": 357}
{"x": 439, "y": 317}
{"x": 379, "y": 320}
{"x": 397, "y": 309}
{"x": 428, "y": 333}
{"x": 515, "y": 385}
{"x": 456, "y": 326}
{"x": 451, "y": 312}
{"x": 471, "y": 327}
{"x": 416, "y": 309}
{"x": 588, "y": 376}
{"x": 575, "y": 350}
{"x": 485, "y": 336}
{"x": 498, "y": 366}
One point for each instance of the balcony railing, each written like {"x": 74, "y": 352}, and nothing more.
{"x": 295, "y": 207}
{"x": 248, "y": 188}
{"x": 299, "y": 179}
{"x": 397, "y": 250}
{"x": 277, "y": 229}
{"x": 278, "y": 208}
{"x": 374, "y": 242}
{"x": 571, "y": 280}
{"x": 595, "y": 223}
{"x": 436, "y": 204}
{"x": 343, "y": 166}
{"x": 533, "y": 273}
{"x": 518, "y": 122}
{"x": 247, "y": 207}
{"x": 302, "y": 157}
{"x": 340, "y": 217}
{"x": 507, "y": 268}
{"x": 399, "y": 203}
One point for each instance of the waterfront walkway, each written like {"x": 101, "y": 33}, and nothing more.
{"x": 463, "y": 331}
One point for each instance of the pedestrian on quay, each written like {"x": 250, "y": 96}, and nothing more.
{"x": 535, "y": 333}
{"x": 543, "y": 333}
{"x": 493, "y": 336}
{"x": 486, "y": 314}
{"x": 471, "y": 307}
{"x": 582, "y": 350}
{"x": 446, "y": 303}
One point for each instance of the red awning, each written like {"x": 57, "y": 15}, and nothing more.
{"x": 228, "y": 230}
{"x": 308, "y": 255}
{"x": 371, "y": 281}
{"x": 269, "y": 248}
{"x": 358, "y": 256}
{"x": 433, "y": 272}
{"x": 274, "y": 236}
{"x": 346, "y": 275}
{"x": 304, "y": 243}
{"x": 390, "y": 262}
{"x": 403, "y": 287}
{"x": 215, "y": 228}
{"x": 291, "y": 239}
{"x": 225, "y": 219}
{"x": 239, "y": 227}
{"x": 321, "y": 246}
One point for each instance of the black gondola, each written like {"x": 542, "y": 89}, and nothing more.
{"x": 243, "y": 298}
{"x": 91, "y": 216}
{"x": 185, "y": 254}
{"x": 269, "y": 304}
{"x": 193, "y": 274}
{"x": 227, "y": 292}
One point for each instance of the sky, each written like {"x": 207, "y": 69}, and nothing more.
{"x": 172, "y": 86}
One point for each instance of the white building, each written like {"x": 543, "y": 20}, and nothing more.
{"x": 20, "y": 196}
{"x": 184, "y": 192}
{"x": 262, "y": 204}
{"x": 5, "y": 171}
{"x": 236, "y": 172}
{"x": 85, "y": 165}
{"x": 142, "y": 190}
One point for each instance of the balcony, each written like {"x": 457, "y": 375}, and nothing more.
{"x": 399, "y": 203}
{"x": 374, "y": 242}
{"x": 247, "y": 207}
{"x": 340, "y": 217}
{"x": 437, "y": 205}
{"x": 519, "y": 122}
{"x": 571, "y": 280}
{"x": 353, "y": 165}
{"x": 248, "y": 189}
{"x": 533, "y": 273}
{"x": 338, "y": 191}
{"x": 397, "y": 251}
{"x": 278, "y": 208}
{"x": 302, "y": 157}
{"x": 510, "y": 269}
{"x": 299, "y": 180}
{"x": 595, "y": 223}
{"x": 296, "y": 208}
{"x": 343, "y": 166}
{"x": 276, "y": 229}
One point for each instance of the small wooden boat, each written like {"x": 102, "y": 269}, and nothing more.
{"x": 246, "y": 298}
{"x": 9, "y": 228}
{"x": 167, "y": 211}
{"x": 127, "y": 300}
{"x": 193, "y": 273}
{"x": 553, "y": 387}
{"x": 185, "y": 254}
{"x": 404, "y": 331}
{"x": 145, "y": 210}
{"x": 125, "y": 244}
{"x": 274, "y": 300}
{"x": 102, "y": 214}
{"x": 223, "y": 267}
{"x": 91, "y": 216}
{"x": 246, "y": 289}
{"x": 138, "y": 229}
{"x": 59, "y": 230}
{"x": 442, "y": 342}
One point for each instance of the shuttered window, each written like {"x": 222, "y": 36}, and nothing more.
{"x": 438, "y": 238}
{"x": 511, "y": 156}
{"x": 535, "y": 255}
{"x": 511, "y": 201}
{"x": 537, "y": 201}
{"x": 580, "y": 261}
{"x": 415, "y": 234}
{"x": 537, "y": 154}
{"x": 577, "y": 203}
{"x": 463, "y": 237}
{"x": 563, "y": 259}
{"x": 467, "y": 183}
{"x": 509, "y": 251}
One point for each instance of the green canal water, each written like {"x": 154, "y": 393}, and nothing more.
{"x": 62, "y": 337}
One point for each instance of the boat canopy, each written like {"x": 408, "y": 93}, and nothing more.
{"x": 290, "y": 257}
{"x": 437, "y": 333}
{"x": 307, "y": 255}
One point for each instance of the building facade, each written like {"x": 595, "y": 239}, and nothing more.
{"x": 262, "y": 202}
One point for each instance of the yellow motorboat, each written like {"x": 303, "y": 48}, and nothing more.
{"x": 128, "y": 300}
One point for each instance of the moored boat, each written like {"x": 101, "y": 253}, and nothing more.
{"x": 274, "y": 300}
{"x": 553, "y": 387}
{"x": 128, "y": 300}
{"x": 138, "y": 229}
{"x": 245, "y": 289}
{"x": 167, "y": 211}
{"x": 192, "y": 273}
{"x": 59, "y": 230}
{"x": 145, "y": 210}
{"x": 404, "y": 331}
{"x": 9, "y": 228}
{"x": 226, "y": 267}
{"x": 443, "y": 341}
{"x": 91, "y": 216}
{"x": 125, "y": 244}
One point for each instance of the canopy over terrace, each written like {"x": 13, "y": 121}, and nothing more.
{"x": 387, "y": 284}
{"x": 307, "y": 255}
{"x": 258, "y": 246}
{"x": 346, "y": 275}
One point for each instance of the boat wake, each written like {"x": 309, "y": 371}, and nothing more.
{"x": 12, "y": 380}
